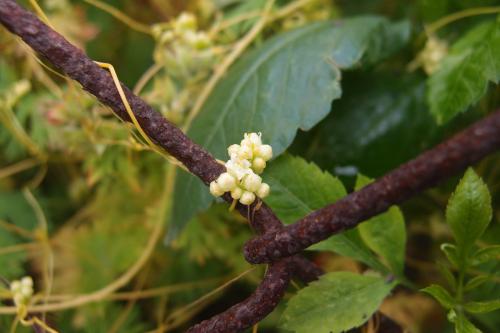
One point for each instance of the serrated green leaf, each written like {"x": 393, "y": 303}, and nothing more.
{"x": 298, "y": 188}
{"x": 285, "y": 84}
{"x": 451, "y": 253}
{"x": 485, "y": 254}
{"x": 385, "y": 234}
{"x": 473, "y": 61}
{"x": 336, "y": 303}
{"x": 482, "y": 307}
{"x": 441, "y": 295}
{"x": 469, "y": 210}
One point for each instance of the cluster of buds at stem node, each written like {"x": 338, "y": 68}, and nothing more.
{"x": 22, "y": 290}
{"x": 247, "y": 161}
{"x": 183, "y": 29}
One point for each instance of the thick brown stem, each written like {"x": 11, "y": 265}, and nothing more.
{"x": 425, "y": 171}
{"x": 72, "y": 61}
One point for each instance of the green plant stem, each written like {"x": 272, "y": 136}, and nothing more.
{"x": 444, "y": 21}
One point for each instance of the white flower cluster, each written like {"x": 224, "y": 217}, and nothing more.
{"x": 248, "y": 160}
{"x": 22, "y": 290}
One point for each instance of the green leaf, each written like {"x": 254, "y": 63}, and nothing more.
{"x": 373, "y": 127}
{"x": 385, "y": 234}
{"x": 482, "y": 307}
{"x": 476, "y": 282}
{"x": 441, "y": 295}
{"x": 285, "y": 84}
{"x": 12, "y": 264}
{"x": 469, "y": 210}
{"x": 485, "y": 254}
{"x": 14, "y": 209}
{"x": 448, "y": 275}
{"x": 473, "y": 61}
{"x": 350, "y": 244}
{"x": 462, "y": 324}
{"x": 298, "y": 188}
{"x": 451, "y": 253}
{"x": 336, "y": 303}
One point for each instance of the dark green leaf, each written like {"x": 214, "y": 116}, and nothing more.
{"x": 485, "y": 254}
{"x": 287, "y": 83}
{"x": 473, "y": 61}
{"x": 469, "y": 210}
{"x": 441, "y": 295}
{"x": 373, "y": 127}
{"x": 476, "y": 282}
{"x": 336, "y": 303}
{"x": 385, "y": 234}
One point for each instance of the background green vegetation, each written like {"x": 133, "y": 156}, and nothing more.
{"x": 122, "y": 242}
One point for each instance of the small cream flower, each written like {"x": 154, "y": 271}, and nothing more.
{"x": 22, "y": 290}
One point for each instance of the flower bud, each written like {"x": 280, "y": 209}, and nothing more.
{"x": 263, "y": 191}
{"x": 238, "y": 170}
{"x": 245, "y": 152}
{"x": 233, "y": 149}
{"x": 247, "y": 198}
{"x": 15, "y": 286}
{"x": 197, "y": 40}
{"x": 27, "y": 281}
{"x": 26, "y": 291}
{"x": 215, "y": 189}
{"x": 226, "y": 182}
{"x": 255, "y": 139}
{"x": 236, "y": 193}
{"x": 258, "y": 165}
{"x": 166, "y": 37}
{"x": 266, "y": 152}
{"x": 252, "y": 182}
{"x": 185, "y": 21}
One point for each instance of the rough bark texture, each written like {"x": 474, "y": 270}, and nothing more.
{"x": 97, "y": 81}
{"x": 245, "y": 314}
{"x": 425, "y": 171}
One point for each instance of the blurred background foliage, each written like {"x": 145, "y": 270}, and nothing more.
{"x": 84, "y": 204}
